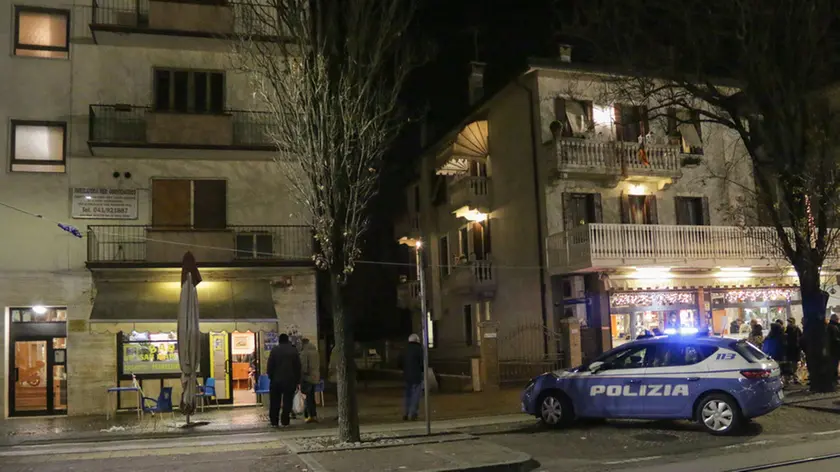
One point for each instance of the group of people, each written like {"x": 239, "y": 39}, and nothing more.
{"x": 785, "y": 343}
{"x": 291, "y": 371}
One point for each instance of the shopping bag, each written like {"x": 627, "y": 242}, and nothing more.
{"x": 299, "y": 403}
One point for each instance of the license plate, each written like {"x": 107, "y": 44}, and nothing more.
{"x": 781, "y": 395}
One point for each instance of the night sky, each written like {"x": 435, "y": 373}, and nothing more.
{"x": 509, "y": 31}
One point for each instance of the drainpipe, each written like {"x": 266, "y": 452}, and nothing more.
{"x": 537, "y": 198}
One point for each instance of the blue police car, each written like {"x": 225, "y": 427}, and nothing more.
{"x": 719, "y": 382}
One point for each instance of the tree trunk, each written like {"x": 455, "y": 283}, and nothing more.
{"x": 348, "y": 408}
{"x": 814, "y": 301}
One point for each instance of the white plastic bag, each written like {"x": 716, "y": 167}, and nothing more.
{"x": 299, "y": 403}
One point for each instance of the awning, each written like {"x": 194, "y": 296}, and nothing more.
{"x": 232, "y": 326}
{"x": 471, "y": 144}
{"x": 219, "y": 301}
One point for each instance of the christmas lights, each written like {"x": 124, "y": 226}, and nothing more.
{"x": 652, "y": 298}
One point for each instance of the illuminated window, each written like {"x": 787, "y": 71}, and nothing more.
{"x": 42, "y": 32}
{"x": 38, "y": 146}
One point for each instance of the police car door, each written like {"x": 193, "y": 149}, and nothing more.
{"x": 675, "y": 379}
{"x": 612, "y": 391}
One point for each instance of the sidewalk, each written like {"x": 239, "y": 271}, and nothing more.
{"x": 800, "y": 397}
{"x": 380, "y": 407}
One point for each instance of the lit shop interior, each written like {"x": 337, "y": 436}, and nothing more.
{"x": 765, "y": 305}
{"x": 229, "y": 358}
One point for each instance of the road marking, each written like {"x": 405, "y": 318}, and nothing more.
{"x": 823, "y": 433}
{"x": 629, "y": 461}
{"x": 754, "y": 443}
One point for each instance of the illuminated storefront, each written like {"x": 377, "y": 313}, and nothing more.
{"x": 764, "y": 305}
{"x": 633, "y": 313}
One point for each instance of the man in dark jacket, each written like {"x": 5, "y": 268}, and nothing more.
{"x": 284, "y": 372}
{"x": 412, "y": 364}
{"x": 834, "y": 344}
{"x": 794, "y": 350}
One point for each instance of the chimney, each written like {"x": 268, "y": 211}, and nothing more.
{"x": 565, "y": 53}
{"x": 476, "y": 82}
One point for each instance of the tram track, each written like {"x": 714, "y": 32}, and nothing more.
{"x": 789, "y": 463}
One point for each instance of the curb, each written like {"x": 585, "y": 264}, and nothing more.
{"x": 523, "y": 463}
{"x": 822, "y": 409}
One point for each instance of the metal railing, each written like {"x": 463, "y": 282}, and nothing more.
{"x": 248, "y": 18}
{"x": 469, "y": 189}
{"x": 629, "y": 242}
{"x": 130, "y": 243}
{"x": 616, "y": 156}
{"x": 126, "y": 124}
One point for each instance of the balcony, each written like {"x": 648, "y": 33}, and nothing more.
{"x": 598, "y": 246}
{"x": 471, "y": 192}
{"x": 126, "y": 246}
{"x": 474, "y": 279}
{"x": 408, "y": 294}
{"x": 140, "y": 131}
{"x": 615, "y": 160}
{"x": 178, "y": 24}
{"x": 407, "y": 227}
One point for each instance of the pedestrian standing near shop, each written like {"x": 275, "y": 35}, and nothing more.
{"x": 774, "y": 344}
{"x": 284, "y": 371}
{"x": 756, "y": 337}
{"x": 793, "y": 353}
{"x": 412, "y": 365}
{"x": 310, "y": 377}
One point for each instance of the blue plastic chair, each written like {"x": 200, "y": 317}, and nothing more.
{"x": 163, "y": 403}
{"x": 263, "y": 386}
{"x": 319, "y": 390}
{"x": 208, "y": 390}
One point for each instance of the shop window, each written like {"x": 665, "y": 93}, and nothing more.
{"x": 38, "y": 146}
{"x": 188, "y": 91}
{"x": 675, "y": 355}
{"x": 42, "y": 32}
{"x": 692, "y": 210}
{"x": 38, "y": 314}
{"x": 141, "y": 353}
{"x": 199, "y": 204}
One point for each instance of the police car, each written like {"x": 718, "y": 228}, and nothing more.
{"x": 719, "y": 382}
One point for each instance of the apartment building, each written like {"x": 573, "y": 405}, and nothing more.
{"x": 124, "y": 120}
{"x": 574, "y": 222}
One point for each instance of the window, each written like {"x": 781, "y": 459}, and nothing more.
{"x": 38, "y": 314}
{"x": 751, "y": 353}
{"x": 685, "y": 125}
{"x": 42, "y": 32}
{"x": 199, "y": 204}
{"x": 443, "y": 256}
{"x": 675, "y": 355}
{"x": 580, "y": 209}
{"x": 189, "y": 91}
{"x": 692, "y": 210}
{"x": 639, "y": 210}
{"x": 468, "y": 325}
{"x": 474, "y": 240}
{"x": 630, "y": 122}
{"x": 630, "y": 358}
{"x": 38, "y": 146}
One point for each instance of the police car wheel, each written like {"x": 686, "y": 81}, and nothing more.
{"x": 555, "y": 409}
{"x": 719, "y": 414}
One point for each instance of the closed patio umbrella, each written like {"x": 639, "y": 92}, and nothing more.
{"x": 189, "y": 349}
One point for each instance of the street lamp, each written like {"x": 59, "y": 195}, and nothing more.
{"x": 418, "y": 249}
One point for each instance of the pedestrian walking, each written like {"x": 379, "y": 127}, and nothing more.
{"x": 756, "y": 337}
{"x": 834, "y": 344}
{"x": 412, "y": 365}
{"x": 310, "y": 377}
{"x": 774, "y": 344}
{"x": 793, "y": 349}
{"x": 284, "y": 371}
{"x": 735, "y": 326}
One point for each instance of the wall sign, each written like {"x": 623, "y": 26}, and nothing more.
{"x": 104, "y": 203}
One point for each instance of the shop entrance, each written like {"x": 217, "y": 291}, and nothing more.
{"x": 37, "y": 362}
{"x": 234, "y": 365}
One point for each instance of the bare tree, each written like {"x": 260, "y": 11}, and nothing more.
{"x": 330, "y": 72}
{"x": 764, "y": 71}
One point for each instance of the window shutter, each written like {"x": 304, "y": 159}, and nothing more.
{"x": 171, "y": 203}
{"x": 624, "y": 201}
{"x": 706, "y": 218}
{"x": 619, "y": 126}
{"x": 644, "y": 124}
{"x": 488, "y": 248}
{"x": 599, "y": 212}
{"x": 560, "y": 109}
{"x": 210, "y": 204}
{"x": 680, "y": 211}
{"x": 568, "y": 222}
{"x": 653, "y": 213}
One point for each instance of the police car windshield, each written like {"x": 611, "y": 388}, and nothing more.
{"x": 748, "y": 351}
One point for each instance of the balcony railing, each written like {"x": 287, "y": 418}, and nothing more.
{"x": 472, "y": 277}
{"x": 242, "y": 244}
{"x": 408, "y": 294}
{"x": 616, "y": 157}
{"x": 142, "y": 125}
{"x": 470, "y": 191}
{"x": 611, "y": 245}
{"x": 221, "y": 18}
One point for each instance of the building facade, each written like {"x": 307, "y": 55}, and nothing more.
{"x": 125, "y": 123}
{"x": 574, "y": 221}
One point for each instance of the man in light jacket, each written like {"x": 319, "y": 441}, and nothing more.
{"x": 310, "y": 377}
